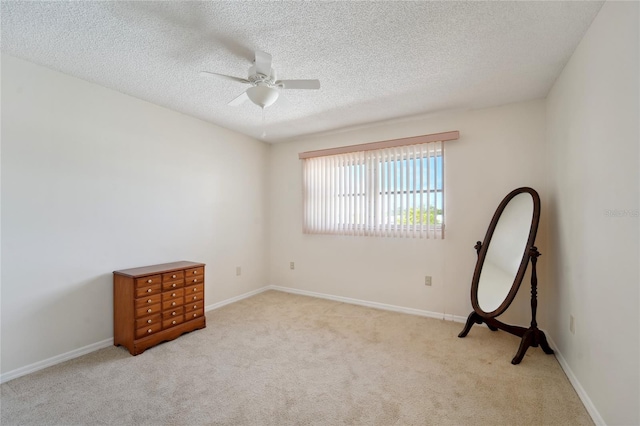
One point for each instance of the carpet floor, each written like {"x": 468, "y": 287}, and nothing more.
{"x": 283, "y": 359}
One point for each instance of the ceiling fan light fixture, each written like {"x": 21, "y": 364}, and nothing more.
{"x": 263, "y": 96}
{"x": 265, "y": 85}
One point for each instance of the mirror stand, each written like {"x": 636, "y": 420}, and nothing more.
{"x": 531, "y": 336}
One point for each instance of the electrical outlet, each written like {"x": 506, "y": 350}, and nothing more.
{"x": 572, "y": 324}
{"x": 238, "y": 271}
{"x": 292, "y": 265}
{"x": 427, "y": 280}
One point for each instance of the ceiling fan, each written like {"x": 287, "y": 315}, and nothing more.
{"x": 264, "y": 90}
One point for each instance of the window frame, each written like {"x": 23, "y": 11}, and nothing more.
{"x": 372, "y": 196}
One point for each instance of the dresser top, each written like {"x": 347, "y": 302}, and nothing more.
{"x": 157, "y": 269}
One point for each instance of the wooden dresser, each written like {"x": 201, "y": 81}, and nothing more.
{"x": 153, "y": 304}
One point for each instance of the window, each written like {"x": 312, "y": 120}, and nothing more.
{"x": 397, "y": 190}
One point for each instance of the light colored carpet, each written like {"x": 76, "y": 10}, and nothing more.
{"x": 283, "y": 359}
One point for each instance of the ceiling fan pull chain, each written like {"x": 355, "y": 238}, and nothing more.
{"x": 264, "y": 128}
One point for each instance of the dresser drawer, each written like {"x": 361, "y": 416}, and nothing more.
{"x": 198, "y": 279}
{"x": 194, "y": 314}
{"x": 147, "y": 310}
{"x": 172, "y": 304}
{"x": 148, "y": 321}
{"x": 193, "y": 272}
{"x": 195, "y": 297}
{"x": 193, "y": 289}
{"x": 148, "y": 290}
{"x": 173, "y": 276}
{"x": 171, "y": 295}
{"x": 172, "y": 285}
{"x": 147, "y": 281}
{"x": 148, "y": 301}
{"x": 178, "y": 311}
{"x": 173, "y": 321}
{"x": 148, "y": 330}
{"x": 188, "y": 307}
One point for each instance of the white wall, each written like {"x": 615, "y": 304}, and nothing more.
{"x": 499, "y": 150}
{"x": 592, "y": 122}
{"x": 94, "y": 181}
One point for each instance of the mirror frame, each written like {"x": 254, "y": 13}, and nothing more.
{"x": 525, "y": 256}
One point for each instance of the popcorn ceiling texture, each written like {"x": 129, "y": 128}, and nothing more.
{"x": 375, "y": 60}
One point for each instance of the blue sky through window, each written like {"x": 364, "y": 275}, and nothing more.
{"x": 396, "y": 182}
{"x": 413, "y": 180}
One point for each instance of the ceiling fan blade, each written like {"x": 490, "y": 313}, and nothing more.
{"x": 263, "y": 63}
{"x": 228, "y": 77}
{"x": 239, "y": 100}
{"x": 299, "y": 84}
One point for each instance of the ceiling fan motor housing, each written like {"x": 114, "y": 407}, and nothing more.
{"x": 256, "y": 78}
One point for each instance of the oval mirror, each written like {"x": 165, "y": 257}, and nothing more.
{"x": 504, "y": 254}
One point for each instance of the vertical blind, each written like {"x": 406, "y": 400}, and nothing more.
{"x": 391, "y": 192}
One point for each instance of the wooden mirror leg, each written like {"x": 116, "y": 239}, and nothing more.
{"x": 542, "y": 340}
{"x": 527, "y": 340}
{"x": 473, "y": 318}
{"x": 532, "y": 337}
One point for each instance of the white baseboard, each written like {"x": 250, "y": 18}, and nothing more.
{"x": 377, "y": 305}
{"x": 582, "y": 394}
{"x": 455, "y": 318}
{"x": 36, "y": 366}
{"x": 234, "y": 299}
{"x": 40, "y": 365}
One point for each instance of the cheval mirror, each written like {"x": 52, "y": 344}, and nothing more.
{"x": 503, "y": 257}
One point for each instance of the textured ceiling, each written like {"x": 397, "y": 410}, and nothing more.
{"x": 375, "y": 60}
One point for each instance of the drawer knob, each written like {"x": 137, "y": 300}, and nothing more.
{"x": 195, "y": 297}
{"x": 149, "y": 301}
{"x": 149, "y": 310}
{"x": 174, "y": 284}
{"x": 195, "y": 272}
{"x": 149, "y": 290}
{"x": 173, "y": 276}
{"x": 195, "y": 280}
{"x": 173, "y": 295}
{"x": 149, "y": 281}
{"x": 195, "y": 289}
{"x": 148, "y": 321}
{"x": 173, "y": 304}
{"x": 173, "y": 322}
{"x": 173, "y": 313}
{"x": 149, "y": 331}
{"x": 195, "y": 306}
{"x": 195, "y": 315}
